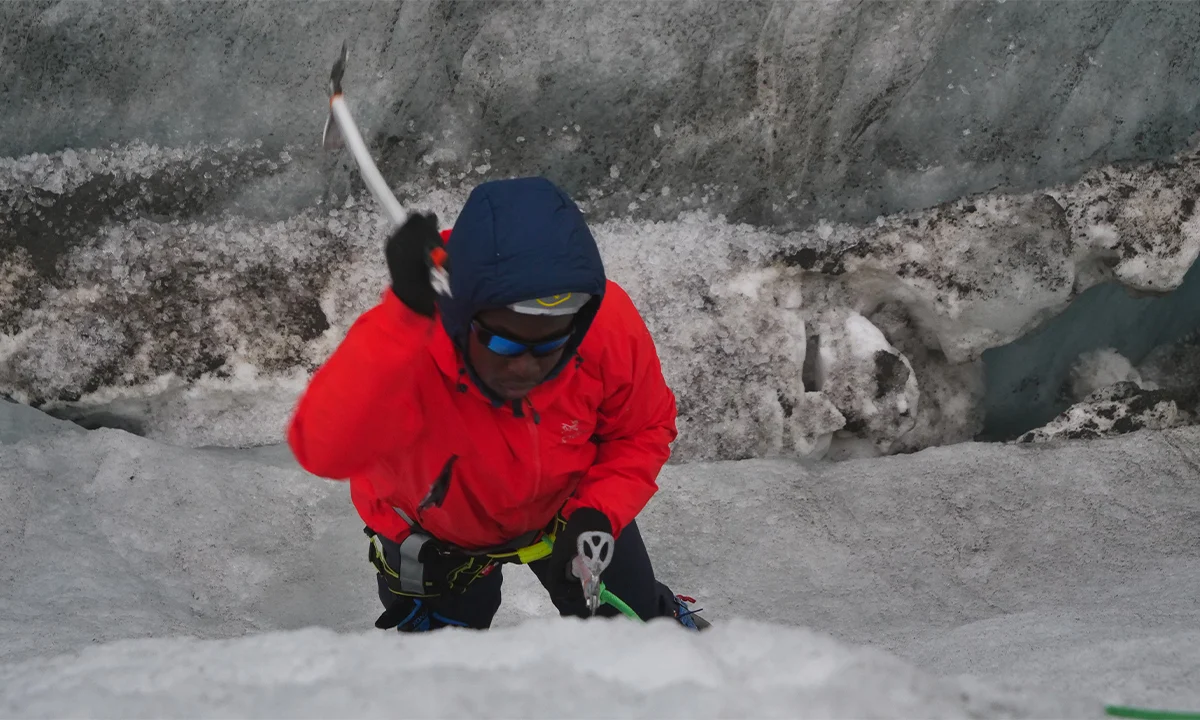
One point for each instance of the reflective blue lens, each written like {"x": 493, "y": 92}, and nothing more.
{"x": 508, "y": 347}
{"x": 503, "y": 346}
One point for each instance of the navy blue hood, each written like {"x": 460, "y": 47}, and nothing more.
{"x": 517, "y": 240}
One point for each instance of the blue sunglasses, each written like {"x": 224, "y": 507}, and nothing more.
{"x": 507, "y": 347}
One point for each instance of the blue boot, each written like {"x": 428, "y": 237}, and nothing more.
{"x": 688, "y": 617}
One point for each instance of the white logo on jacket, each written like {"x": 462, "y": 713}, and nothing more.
{"x": 570, "y": 431}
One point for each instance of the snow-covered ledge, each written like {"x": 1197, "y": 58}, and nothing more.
{"x": 841, "y": 339}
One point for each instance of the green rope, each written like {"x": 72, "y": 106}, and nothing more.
{"x": 618, "y": 603}
{"x": 605, "y": 595}
{"x": 1148, "y": 714}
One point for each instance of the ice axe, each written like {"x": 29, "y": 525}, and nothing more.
{"x": 340, "y": 128}
{"x": 593, "y": 554}
{"x": 340, "y": 131}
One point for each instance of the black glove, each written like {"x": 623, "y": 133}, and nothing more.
{"x": 563, "y": 586}
{"x": 410, "y": 253}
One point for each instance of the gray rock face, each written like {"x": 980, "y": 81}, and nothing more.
{"x": 769, "y": 112}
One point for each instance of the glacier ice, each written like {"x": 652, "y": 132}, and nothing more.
{"x": 854, "y": 229}
{"x": 954, "y": 174}
{"x": 1028, "y": 380}
{"x": 1117, "y": 408}
{"x": 136, "y": 307}
{"x": 1098, "y": 369}
{"x": 775, "y": 113}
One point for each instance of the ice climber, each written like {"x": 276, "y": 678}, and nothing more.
{"x": 528, "y": 402}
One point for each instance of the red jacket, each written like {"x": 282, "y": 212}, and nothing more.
{"x": 392, "y": 409}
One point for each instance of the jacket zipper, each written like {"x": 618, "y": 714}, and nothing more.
{"x": 534, "y": 420}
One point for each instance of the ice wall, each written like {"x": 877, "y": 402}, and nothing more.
{"x": 793, "y": 193}
{"x": 784, "y": 112}
{"x": 200, "y": 328}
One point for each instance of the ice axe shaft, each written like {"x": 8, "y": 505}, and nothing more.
{"x": 340, "y": 127}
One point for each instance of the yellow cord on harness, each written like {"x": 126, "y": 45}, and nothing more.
{"x": 541, "y": 549}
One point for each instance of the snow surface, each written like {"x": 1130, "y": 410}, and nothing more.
{"x": 548, "y": 669}
{"x": 142, "y": 579}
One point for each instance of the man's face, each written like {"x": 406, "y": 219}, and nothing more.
{"x": 514, "y": 377}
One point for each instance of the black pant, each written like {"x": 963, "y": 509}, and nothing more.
{"x": 630, "y": 577}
